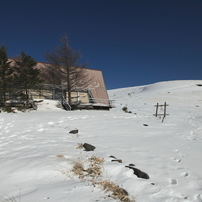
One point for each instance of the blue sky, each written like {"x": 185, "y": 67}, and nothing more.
{"x": 133, "y": 42}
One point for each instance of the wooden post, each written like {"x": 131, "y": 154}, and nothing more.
{"x": 157, "y": 108}
{"x": 53, "y": 94}
{"x": 163, "y": 118}
{"x": 164, "y": 110}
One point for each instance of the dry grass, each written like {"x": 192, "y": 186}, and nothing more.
{"x": 79, "y": 146}
{"x": 95, "y": 168}
{"x": 8, "y": 109}
{"x": 78, "y": 169}
{"x": 60, "y": 156}
{"x": 7, "y": 198}
{"x": 92, "y": 171}
{"x": 116, "y": 191}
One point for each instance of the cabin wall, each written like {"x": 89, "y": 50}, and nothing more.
{"x": 96, "y": 87}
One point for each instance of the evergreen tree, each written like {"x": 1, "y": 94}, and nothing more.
{"x": 26, "y": 74}
{"x": 5, "y": 74}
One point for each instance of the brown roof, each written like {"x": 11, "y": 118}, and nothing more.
{"x": 96, "y": 86}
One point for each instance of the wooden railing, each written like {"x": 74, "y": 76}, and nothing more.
{"x": 99, "y": 102}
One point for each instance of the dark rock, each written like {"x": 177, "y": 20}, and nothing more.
{"x": 112, "y": 157}
{"x": 117, "y": 160}
{"x": 88, "y": 147}
{"x": 145, "y": 125}
{"x": 131, "y": 164}
{"x": 139, "y": 173}
{"x": 75, "y": 131}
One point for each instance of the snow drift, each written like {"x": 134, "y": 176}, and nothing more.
{"x": 37, "y": 152}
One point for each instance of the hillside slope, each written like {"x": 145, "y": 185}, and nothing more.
{"x": 181, "y": 96}
{"x": 37, "y": 152}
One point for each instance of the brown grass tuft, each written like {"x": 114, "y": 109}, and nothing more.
{"x": 93, "y": 170}
{"x": 92, "y": 173}
{"x": 7, "y": 198}
{"x": 95, "y": 166}
{"x": 60, "y": 156}
{"x": 79, "y": 146}
{"x": 116, "y": 191}
{"x": 78, "y": 169}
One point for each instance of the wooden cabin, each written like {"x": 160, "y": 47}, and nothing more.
{"x": 92, "y": 96}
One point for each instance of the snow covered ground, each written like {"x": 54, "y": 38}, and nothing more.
{"x": 37, "y": 152}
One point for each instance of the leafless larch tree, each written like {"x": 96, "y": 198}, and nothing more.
{"x": 64, "y": 68}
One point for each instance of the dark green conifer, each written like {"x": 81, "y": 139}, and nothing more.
{"x": 6, "y": 72}
{"x": 26, "y": 75}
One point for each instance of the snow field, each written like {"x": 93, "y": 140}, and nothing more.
{"x": 37, "y": 152}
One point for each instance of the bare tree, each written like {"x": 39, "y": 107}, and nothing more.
{"x": 65, "y": 69}
{"x": 51, "y": 74}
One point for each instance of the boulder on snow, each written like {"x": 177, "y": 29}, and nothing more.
{"x": 139, "y": 173}
{"x": 117, "y": 160}
{"x": 199, "y": 85}
{"x": 112, "y": 157}
{"x": 88, "y": 147}
{"x": 75, "y": 131}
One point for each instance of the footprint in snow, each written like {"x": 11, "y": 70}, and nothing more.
{"x": 14, "y": 135}
{"x": 176, "y": 159}
{"x": 173, "y": 181}
{"x": 152, "y": 188}
{"x": 180, "y": 153}
{"x": 198, "y": 198}
{"x": 177, "y": 150}
{"x": 185, "y": 174}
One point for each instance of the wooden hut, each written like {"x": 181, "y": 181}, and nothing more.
{"x": 92, "y": 96}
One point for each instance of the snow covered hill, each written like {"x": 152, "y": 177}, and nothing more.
{"x": 179, "y": 94}
{"x": 37, "y": 152}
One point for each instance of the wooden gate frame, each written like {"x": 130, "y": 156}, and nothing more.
{"x": 164, "y": 110}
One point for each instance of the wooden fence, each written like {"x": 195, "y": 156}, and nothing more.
{"x": 163, "y": 106}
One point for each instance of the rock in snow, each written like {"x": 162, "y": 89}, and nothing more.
{"x": 139, "y": 173}
{"x": 74, "y": 131}
{"x": 88, "y": 147}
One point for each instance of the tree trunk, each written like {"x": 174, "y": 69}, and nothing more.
{"x": 27, "y": 97}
